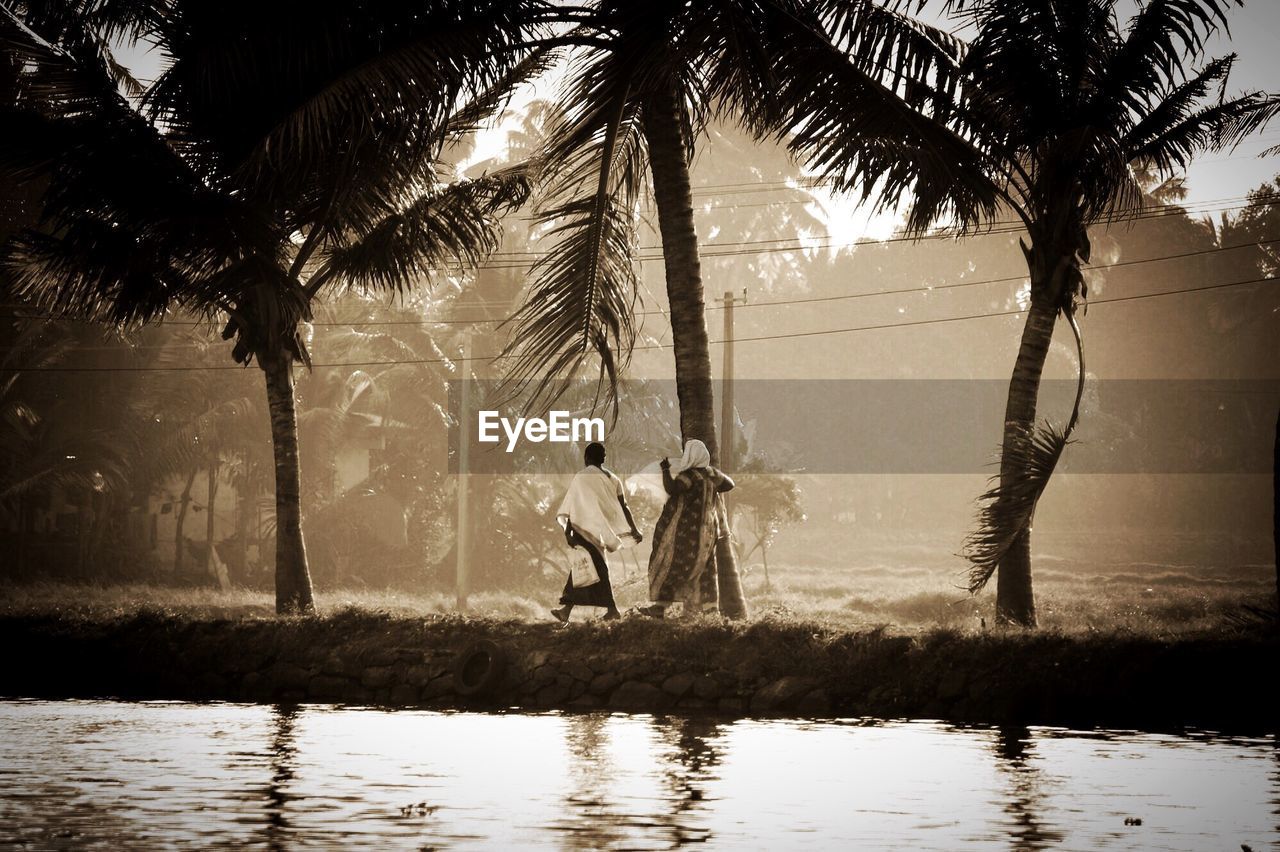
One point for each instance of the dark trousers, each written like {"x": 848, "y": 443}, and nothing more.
{"x": 597, "y": 594}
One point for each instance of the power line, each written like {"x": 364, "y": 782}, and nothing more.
{"x": 938, "y": 320}
{"x": 805, "y": 181}
{"x": 766, "y": 303}
{"x": 783, "y": 336}
{"x": 998, "y": 227}
{"x": 1005, "y": 280}
{"x": 1171, "y": 209}
{"x": 846, "y": 296}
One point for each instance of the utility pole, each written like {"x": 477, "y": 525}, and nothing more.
{"x": 733, "y": 603}
{"x": 727, "y": 430}
{"x": 462, "y": 537}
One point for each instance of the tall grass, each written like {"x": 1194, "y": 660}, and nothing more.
{"x": 1155, "y": 602}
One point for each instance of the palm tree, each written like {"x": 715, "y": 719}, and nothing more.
{"x": 188, "y": 428}
{"x": 650, "y": 79}
{"x": 1059, "y": 108}
{"x": 286, "y": 150}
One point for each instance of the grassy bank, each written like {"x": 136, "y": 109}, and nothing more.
{"x": 1125, "y": 646}
{"x": 771, "y": 665}
{"x": 1129, "y": 600}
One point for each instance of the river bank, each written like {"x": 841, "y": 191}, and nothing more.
{"x": 770, "y": 667}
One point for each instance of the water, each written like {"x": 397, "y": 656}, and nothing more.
{"x": 120, "y": 775}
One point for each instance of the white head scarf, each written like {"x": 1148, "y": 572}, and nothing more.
{"x": 696, "y": 454}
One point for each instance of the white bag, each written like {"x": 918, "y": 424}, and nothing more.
{"x": 582, "y": 570}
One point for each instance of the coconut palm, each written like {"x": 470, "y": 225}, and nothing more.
{"x": 649, "y": 79}
{"x": 285, "y": 150}
{"x": 1062, "y": 107}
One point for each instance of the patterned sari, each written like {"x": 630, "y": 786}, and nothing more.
{"x": 682, "y": 564}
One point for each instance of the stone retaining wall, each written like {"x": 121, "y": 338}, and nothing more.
{"x": 760, "y": 669}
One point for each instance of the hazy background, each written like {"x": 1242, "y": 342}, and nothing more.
{"x": 380, "y": 500}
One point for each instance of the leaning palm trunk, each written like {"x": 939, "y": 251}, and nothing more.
{"x": 1015, "y": 600}
{"x": 293, "y": 580}
{"x": 1030, "y": 453}
{"x": 672, "y": 193}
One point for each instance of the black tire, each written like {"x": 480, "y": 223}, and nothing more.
{"x": 478, "y": 669}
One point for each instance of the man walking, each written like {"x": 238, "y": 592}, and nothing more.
{"x": 592, "y": 513}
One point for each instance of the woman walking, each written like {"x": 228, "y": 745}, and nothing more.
{"x": 682, "y": 565}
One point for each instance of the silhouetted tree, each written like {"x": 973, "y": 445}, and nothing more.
{"x": 1053, "y": 104}
{"x": 652, "y": 76}
{"x": 285, "y": 150}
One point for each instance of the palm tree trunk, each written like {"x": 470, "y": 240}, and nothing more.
{"x": 668, "y": 161}
{"x": 213, "y": 566}
{"x": 1015, "y": 600}
{"x": 211, "y": 490}
{"x": 243, "y": 506}
{"x": 674, "y": 198}
{"x": 179, "y": 545}
{"x": 293, "y": 580}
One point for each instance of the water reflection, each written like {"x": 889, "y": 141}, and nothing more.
{"x": 111, "y": 775}
{"x": 591, "y": 815}
{"x": 1024, "y": 797}
{"x": 283, "y": 755}
{"x": 689, "y": 768}
{"x": 1275, "y": 782}
{"x": 614, "y": 801}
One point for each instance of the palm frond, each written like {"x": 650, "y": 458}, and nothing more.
{"x": 1006, "y": 510}
{"x": 112, "y": 21}
{"x": 1252, "y": 114}
{"x": 191, "y": 441}
{"x": 1219, "y": 126}
{"x": 37, "y": 344}
{"x": 854, "y": 129}
{"x": 456, "y": 225}
{"x": 58, "y": 452}
{"x": 584, "y": 289}
{"x": 1149, "y": 58}
{"x": 327, "y": 111}
{"x": 125, "y": 221}
{"x": 586, "y": 282}
{"x": 329, "y": 425}
{"x": 490, "y": 102}
{"x": 96, "y": 27}
{"x": 727, "y": 49}
{"x": 1106, "y": 169}
{"x": 1160, "y": 37}
{"x": 896, "y": 46}
{"x": 1164, "y": 114}
{"x": 45, "y": 471}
